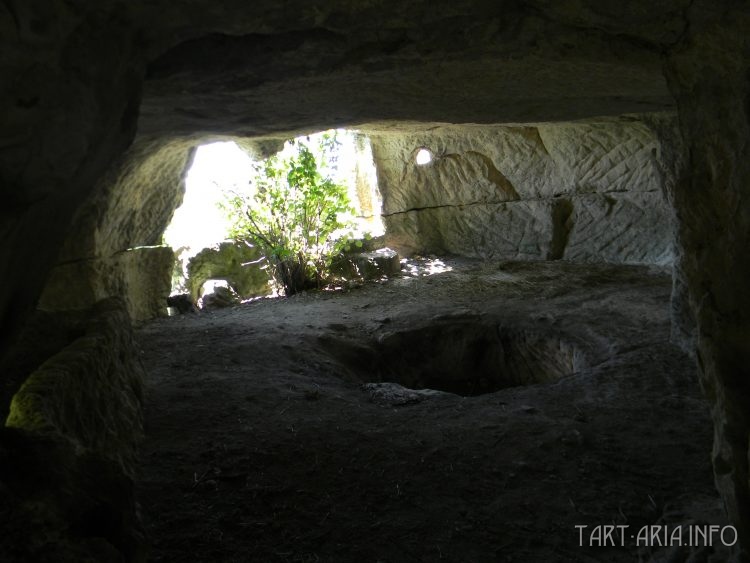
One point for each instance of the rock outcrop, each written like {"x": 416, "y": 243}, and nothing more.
{"x": 237, "y": 263}
{"x": 221, "y": 296}
{"x": 371, "y": 265}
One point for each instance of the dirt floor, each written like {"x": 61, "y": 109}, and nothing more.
{"x": 263, "y": 442}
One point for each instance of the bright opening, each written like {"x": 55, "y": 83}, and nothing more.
{"x": 199, "y": 223}
{"x": 223, "y": 168}
{"x": 424, "y": 157}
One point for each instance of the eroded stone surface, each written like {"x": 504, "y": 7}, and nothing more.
{"x": 68, "y": 452}
{"x": 133, "y": 202}
{"x": 109, "y": 250}
{"x": 236, "y": 262}
{"x": 586, "y": 192}
{"x": 75, "y": 72}
{"x": 369, "y": 265}
{"x": 219, "y": 297}
{"x": 709, "y": 76}
{"x": 71, "y": 89}
{"x": 90, "y": 392}
{"x": 141, "y": 277}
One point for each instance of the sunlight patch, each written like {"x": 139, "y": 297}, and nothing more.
{"x": 420, "y": 267}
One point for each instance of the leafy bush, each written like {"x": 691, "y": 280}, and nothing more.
{"x": 296, "y": 215}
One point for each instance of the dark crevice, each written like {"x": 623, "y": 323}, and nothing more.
{"x": 552, "y": 199}
{"x": 562, "y": 225}
{"x": 468, "y": 204}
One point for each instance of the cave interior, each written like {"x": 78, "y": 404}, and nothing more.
{"x": 566, "y": 343}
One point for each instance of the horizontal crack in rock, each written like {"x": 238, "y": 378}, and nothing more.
{"x": 553, "y": 199}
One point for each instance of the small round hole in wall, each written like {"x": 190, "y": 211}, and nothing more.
{"x": 424, "y": 156}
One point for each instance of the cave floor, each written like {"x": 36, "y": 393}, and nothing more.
{"x": 262, "y": 445}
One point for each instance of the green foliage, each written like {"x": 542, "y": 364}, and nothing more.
{"x": 296, "y": 214}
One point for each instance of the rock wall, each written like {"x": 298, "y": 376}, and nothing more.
{"x": 232, "y": 262}
{"x": 577, "y": 191}
{"x": 110, "y": 249}
{"x": 71, "y": 87}
{"x": 133, "y": 202}
{"x": 709, "y": 73}
{"x": 68, "y": 449}
{"x": 90, "y": 392}
{"x": 142, "y": 277}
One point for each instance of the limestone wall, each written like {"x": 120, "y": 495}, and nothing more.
{"x": 237, "y": 263}
{"x": 575, "y": 191}
{"x": 90, "y": 392}
{"x": 111, "y": 249}
{"x": 141, "y": 276}
{"x": 69, "y": 448}
{"x": 708, "y": 74}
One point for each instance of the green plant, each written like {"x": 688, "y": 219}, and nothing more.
{"x": 296, "y": 214}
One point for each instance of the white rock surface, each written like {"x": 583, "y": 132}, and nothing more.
{"x": 577, "y": 191}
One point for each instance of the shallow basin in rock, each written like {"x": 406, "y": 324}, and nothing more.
{"x": 462, "y": 357}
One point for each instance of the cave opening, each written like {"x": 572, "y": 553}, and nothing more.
{"x": 198, "y": 222}
{"x": 223, "y": 176}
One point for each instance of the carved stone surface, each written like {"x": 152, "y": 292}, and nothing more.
{"x": 79, "y": 81}
{"x": 68, "y": 451}
{"x": 141, "y": 277}
{"x": 584, "y": 192}
{"x": 237, "y": 263}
